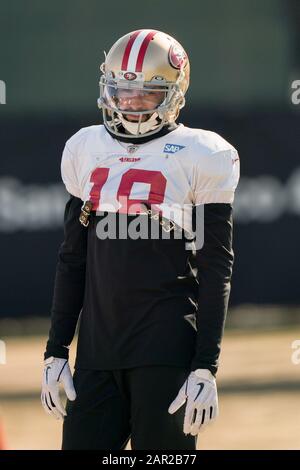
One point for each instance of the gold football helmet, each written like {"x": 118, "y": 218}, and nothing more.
{"x": 144, "y": 79}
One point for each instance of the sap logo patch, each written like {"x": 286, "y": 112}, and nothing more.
{"x": 172, "y": 148}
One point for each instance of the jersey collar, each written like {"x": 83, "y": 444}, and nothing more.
{"x": 142, "y": 140}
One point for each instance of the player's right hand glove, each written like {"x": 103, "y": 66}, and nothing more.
{"x": 56, "y": 371}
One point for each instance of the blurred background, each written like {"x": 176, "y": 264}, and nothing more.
{"x": 245, "y": 56}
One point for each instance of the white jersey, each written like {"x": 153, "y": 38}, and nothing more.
{"x": 183, "y": 168}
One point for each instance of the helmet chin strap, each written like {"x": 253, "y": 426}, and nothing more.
{"x": 147, "y": 126}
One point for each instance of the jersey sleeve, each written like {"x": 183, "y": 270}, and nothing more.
{"x": 216, "y": 177}
{"x": 68, "y": 172}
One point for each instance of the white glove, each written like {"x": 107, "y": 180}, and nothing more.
{"x": 200, "y": 393}
{"x": 56, "y": 371}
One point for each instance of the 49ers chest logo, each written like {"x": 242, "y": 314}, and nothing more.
{"x": 154, "y": 179}
{"x": 129, "y": 159}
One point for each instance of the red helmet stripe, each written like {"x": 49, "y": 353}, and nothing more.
{"x": 128, "y": 50}
{"x": 142, "y": 51}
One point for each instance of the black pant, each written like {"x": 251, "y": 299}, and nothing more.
{"x": 113, "y": 406}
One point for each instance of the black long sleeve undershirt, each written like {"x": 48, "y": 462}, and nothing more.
{"x": 69, "y": 282}
{"x": 214, "y": 263}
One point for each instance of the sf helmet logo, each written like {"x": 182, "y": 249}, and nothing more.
{"x": 177, "y": 56}
{"x": 130, "y": 76}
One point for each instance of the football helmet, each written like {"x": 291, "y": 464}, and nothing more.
{"x": 144, "y": 78}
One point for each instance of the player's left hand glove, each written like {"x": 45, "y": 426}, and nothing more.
{"x": 199, "y": 392}
{"x": 56, "y": 371}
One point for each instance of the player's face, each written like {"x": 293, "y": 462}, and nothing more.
{"x": 131, "y": 100}
{"x": 136, "y": 100}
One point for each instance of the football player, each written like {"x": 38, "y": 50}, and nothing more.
{"x": 152, "y": 307}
